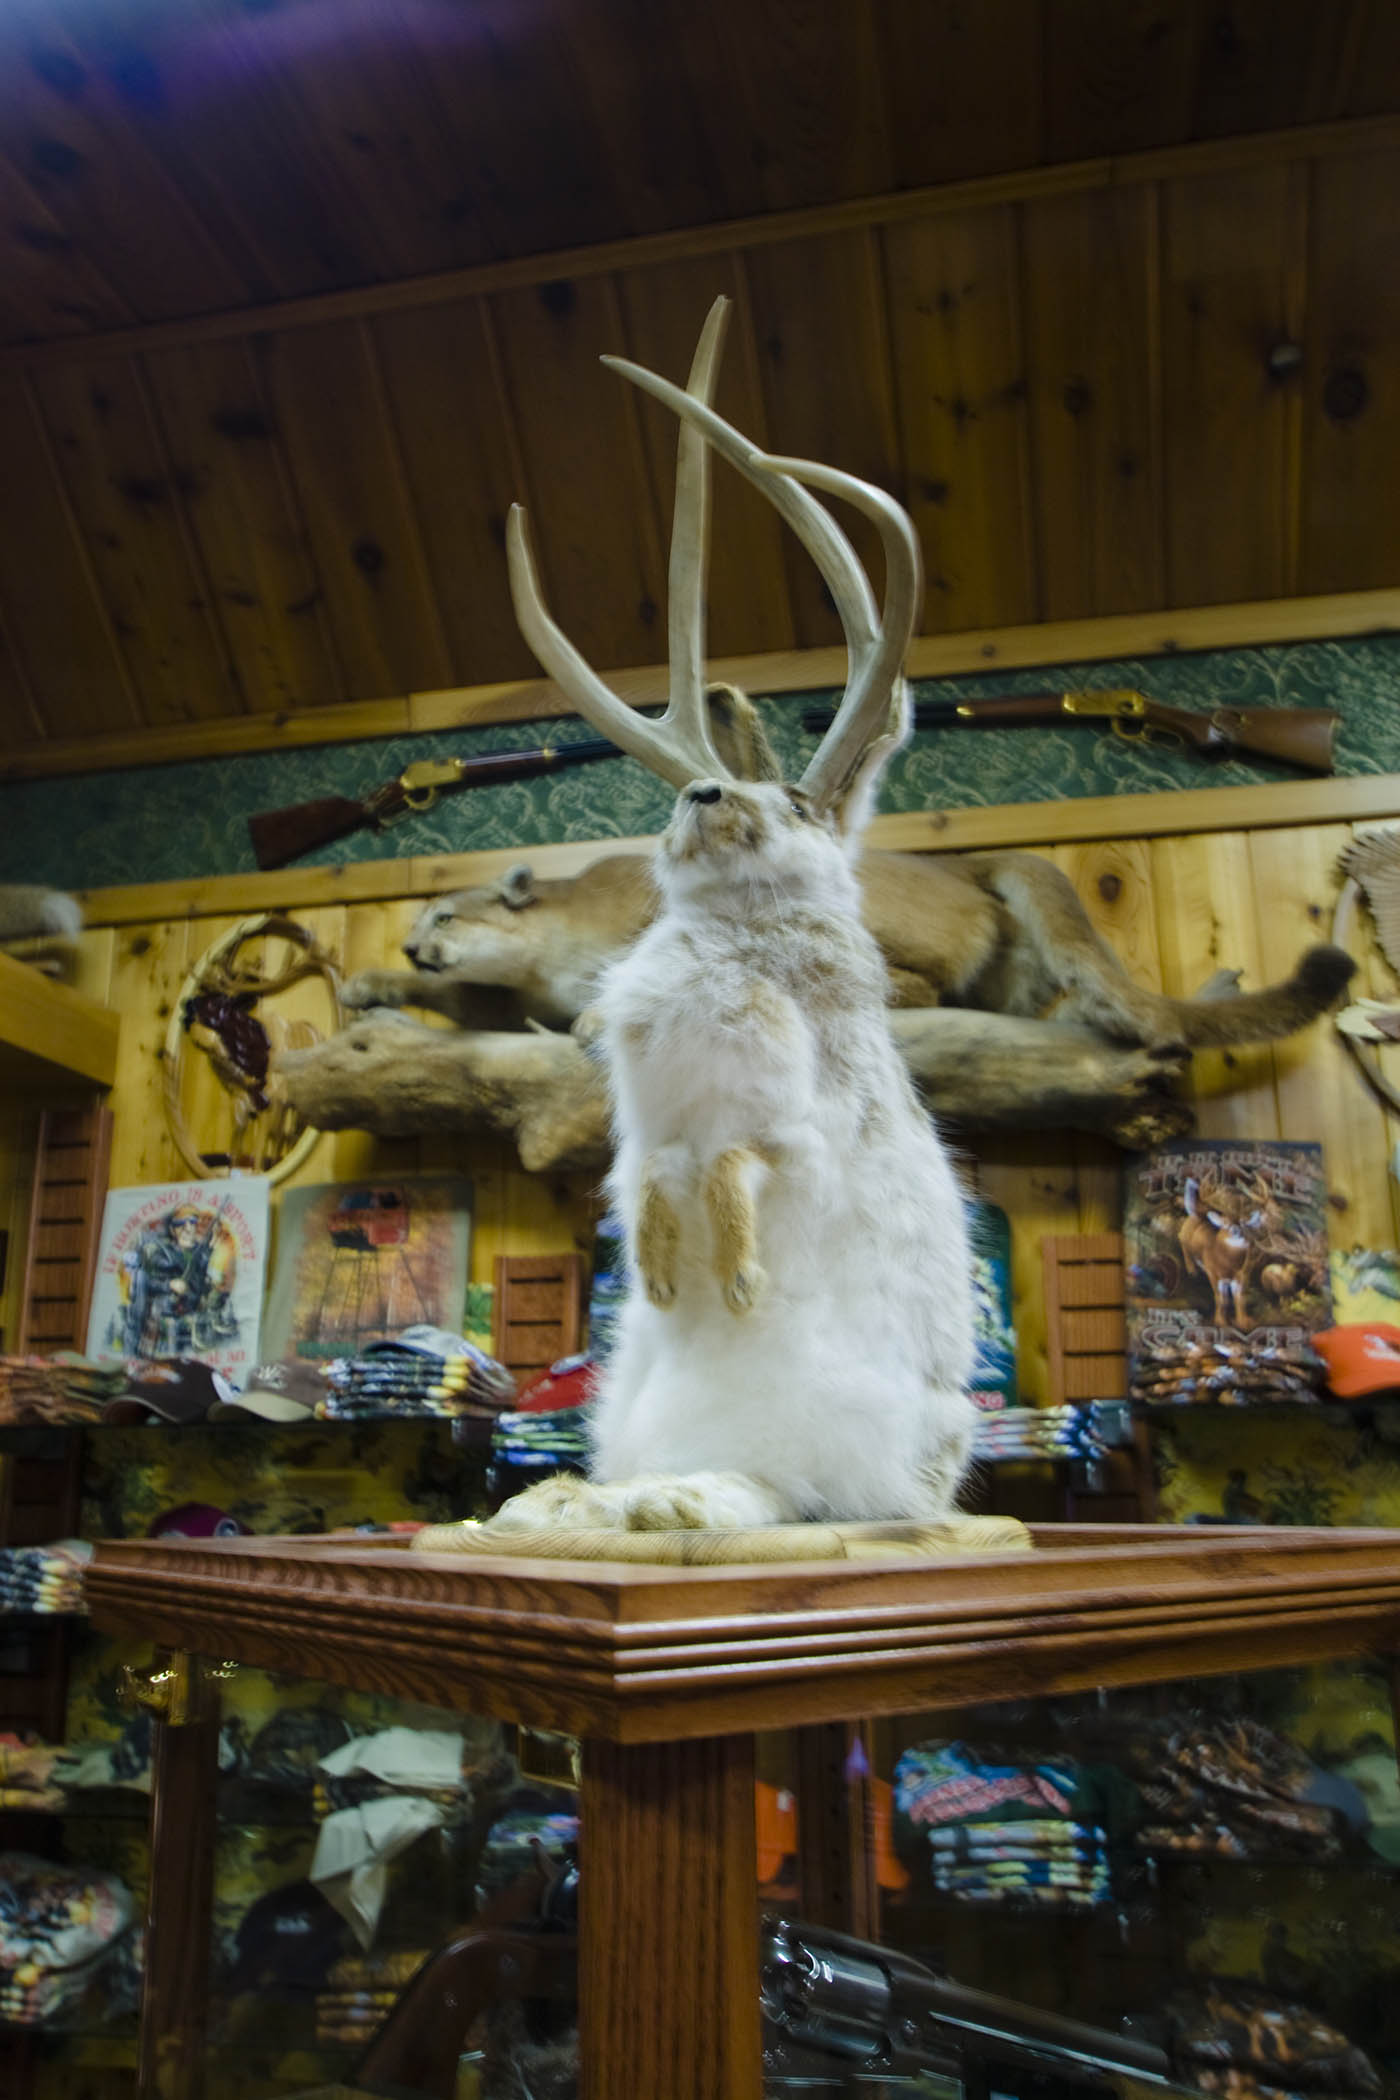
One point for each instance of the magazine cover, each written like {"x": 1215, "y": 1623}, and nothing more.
{"x": 180, "y": 1272}
{"x": 994, "y": 1372}
{"x": 1225, "y": 1239}
{"x": 357, "y": 1262}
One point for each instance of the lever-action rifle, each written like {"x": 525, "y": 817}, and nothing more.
{"x": 282, "y": 835}
{"x": 1295, "y": 736}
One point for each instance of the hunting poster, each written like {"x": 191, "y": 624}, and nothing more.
{"x": 180, "y": 1273}
{"x": 1225, "y": 1251}
{"x": 1224, "y": 1248}
{"x": 358, "y": 1262}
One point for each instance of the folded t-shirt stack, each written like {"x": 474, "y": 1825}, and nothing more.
{"x": 423, "y": 1371}
{"x": 62, "y": 1388}
{"x": 991, "y": 1827}
{"x": 60, "y": 1926}
{"x": 1237, "y": 1789}
{"x": 1231, "y": 2038}
{"x": 31, "y": 1773}
{"x": 359, "y": 1990}
{"x": 44, "y": 1578}
{"x": 1045, "y": 1432}
{"x": 1230, "y": 1371}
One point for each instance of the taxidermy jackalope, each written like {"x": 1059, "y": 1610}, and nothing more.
{"x": 797, "y": 1336}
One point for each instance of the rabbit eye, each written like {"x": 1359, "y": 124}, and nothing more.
{"x": 798, "y": 809}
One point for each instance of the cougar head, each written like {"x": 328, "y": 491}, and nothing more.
{"x": 480, "y": 923}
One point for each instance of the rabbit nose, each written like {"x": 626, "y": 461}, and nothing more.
{"x": 704, "y": 791}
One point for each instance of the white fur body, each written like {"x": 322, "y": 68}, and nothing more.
{"x": 750, "y": 1018}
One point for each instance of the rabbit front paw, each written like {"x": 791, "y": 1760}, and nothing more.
{"x": 744, "y": 1287}
{"x": 658, "y": 1244}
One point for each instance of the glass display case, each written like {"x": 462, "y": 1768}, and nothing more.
{"x": 1118, "y": 1812}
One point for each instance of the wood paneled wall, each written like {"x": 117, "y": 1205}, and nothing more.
{"x": 1175, "y": 907}
{"x": 1142, "y": 383}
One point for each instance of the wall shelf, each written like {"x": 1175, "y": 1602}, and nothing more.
{"x": 50, "y": 1034}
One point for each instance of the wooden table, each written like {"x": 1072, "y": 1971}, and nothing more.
{"x": 666, "y": 1675}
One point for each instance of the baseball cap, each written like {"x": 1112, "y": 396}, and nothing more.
{"x": 275, "y": 1392}
{"x": 1362, "y": 1358}
{"x": 196, "y": 1520}
{"x": 289, "y": 1936}
{"x": 178, "y": 1389}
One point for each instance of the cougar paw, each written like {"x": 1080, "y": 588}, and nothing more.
{"x": 368, "y": 988}
{"x": 743, "y": 1288}
{"x": 586, "y": 1028}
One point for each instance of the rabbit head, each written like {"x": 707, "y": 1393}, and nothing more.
{"x": 734, "y": 835}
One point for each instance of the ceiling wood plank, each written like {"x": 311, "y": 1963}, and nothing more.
{"x": 954, "y": 303}
{"x": 461, "y": 471}
{"x": 593, "y": 519}
{"x": 809, "y": 114}
{"x": 1229, "y": 300}
{"x": 20, "y": 712}
{"x": 341, "y": 457}
{"x": 229, "y": 459}
{"x": 123, "y": 499}
{"x": 1119, "y": 75}
{"x": 1091, "y": 311}
{"x": 1352, "y": 374}
{"x": 52, "y": 285}
{"x": 664, "y": 310}
{"x": 1263, "y": 64}
{"x": 828, "y": 393}
{"x": 55, "y": 612}
{"x": 1374, "y": 82}
{"x": 1213, "y": 156}
{"x": 962, "y": 88}
{"x": 75, "y": 128}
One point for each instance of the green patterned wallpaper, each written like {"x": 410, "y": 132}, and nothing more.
{"x": 166, "y": 822}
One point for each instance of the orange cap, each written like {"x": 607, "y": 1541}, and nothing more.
{"x": 1364, "y": 1358}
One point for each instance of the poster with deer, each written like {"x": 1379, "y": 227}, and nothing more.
{"x": 1226, "y": 1269}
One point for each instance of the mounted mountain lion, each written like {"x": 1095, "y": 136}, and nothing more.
{"x": 1000, "y": 933}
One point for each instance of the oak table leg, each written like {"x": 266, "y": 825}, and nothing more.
{"x": 174, "y": 1999}
{"x": 668, "y": 1928}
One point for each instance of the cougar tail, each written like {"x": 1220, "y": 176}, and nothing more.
{"x": 1321, "y": 976}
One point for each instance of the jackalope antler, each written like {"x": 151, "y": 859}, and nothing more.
{"x": 680, "y": 746}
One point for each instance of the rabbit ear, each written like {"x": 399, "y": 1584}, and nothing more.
{"x": 855, "y": 805}
{"x": 739, "y": 735}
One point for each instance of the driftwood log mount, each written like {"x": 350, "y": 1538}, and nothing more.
{"x": 398, "y": 1078}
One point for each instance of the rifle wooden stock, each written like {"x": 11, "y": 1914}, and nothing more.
{"x": 282, "y": 835}
{"x": 1294, "y": 736}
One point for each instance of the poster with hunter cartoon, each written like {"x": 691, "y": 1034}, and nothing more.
{"x": 180, "y": 1273}
{"x": 1225, "y": 1266}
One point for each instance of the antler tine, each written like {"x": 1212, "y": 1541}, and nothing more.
{"x": 597, "y": 703}
{"x": 875, "y": 663}
{"x": 822, "y": 536}
{"x": 876, "y": 645}
{"x": 690, "y": 553}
